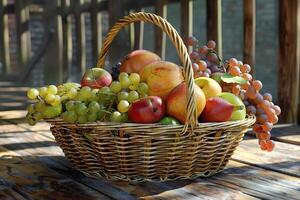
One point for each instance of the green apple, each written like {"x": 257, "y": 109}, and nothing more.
{"x": 239, "y": 112}
{"x": 210, "y": 87}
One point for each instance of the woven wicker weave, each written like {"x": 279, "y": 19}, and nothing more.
{"x": 138, "y": 152}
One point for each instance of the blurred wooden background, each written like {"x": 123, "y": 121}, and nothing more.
{"x": 71, "y": 32}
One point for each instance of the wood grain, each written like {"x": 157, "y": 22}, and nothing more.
{"x": 285, "y": 158}
{"x": 249, "y": 33}
{"x": 214, "y": 23}
{"x": 238, "y": 181}
{"x": 23, "y": 33}
{"x": 289, "y": 58}
{"x": 4, "y": 38}
{"x": 160, "y": 36}
{"x": 186, "y": 13}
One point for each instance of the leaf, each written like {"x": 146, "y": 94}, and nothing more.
{"x": 227, "y": 78}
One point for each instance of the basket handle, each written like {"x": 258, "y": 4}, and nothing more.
{"x": 188, "y": 74}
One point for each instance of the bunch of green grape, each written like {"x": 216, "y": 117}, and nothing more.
{"x": 128, "y": 89}
{"x": 48, "y": 104}
{"x": 83, "y": 112}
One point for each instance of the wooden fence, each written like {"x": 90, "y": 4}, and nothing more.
{"x": 57, "y": 43}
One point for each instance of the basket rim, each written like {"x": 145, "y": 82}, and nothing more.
{"x": 248, "y": 121}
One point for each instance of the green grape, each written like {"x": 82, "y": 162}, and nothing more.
{"x": 70, "y": 105}
{"x": 70, "y": 116}
{"x": 43, "y": 91}
{"x": 124, "y": 117}
{"x": 94, "y": 107}
{"x": 122, "y": 75}
{"x": 50, "y": 98}
{"x": 123, "y": 96}
{"x": 70, "y": 85}
{"x": 51, "y": 111}
{"x": 125, "y": 82}
{"x": 135, "y": 78}
{"x": 32, "y": 93}
{"x": 95, "y": 90}
{"x": 82, "y": 119}
{"x": 132, "y": 96}
{"x": 143, "y": 88}
{"x": 115, "y": 86}
{"x": 92, "y": 117}
{"x": 123, "y": 106}
{"x": 102, "y": 114}
{"x": 38, "y": 116}
{"x": 52, "y": 89}
{"x": 81, "y": 109}
{"x": 105, "y": 95}
{"x": 72, "y": 93}
{"x": 56, "y": 101}
{"x": 39, "y": 106}
{"x": 84, "y": 93}
{"x": 116, "y": 117}
{"x": 31, "y": 109}
{"x": 134, "y": 86}
{"x": 31, "y": 121}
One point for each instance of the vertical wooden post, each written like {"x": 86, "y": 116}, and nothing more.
{"x": 214, "y": 23}
{"x": 289, "y": 57}
{"x": 23, "y": 33}
{"x": 121, "y": 44}
{"x": 139, "y": 34}
{"x": 4, "y": 38}
{"x": 54, "y": 54}
{"x": 96, "y": 30}
{"x": 249, "y": 33}
{"x": 160, "y": 36}
{"x": 67, "y": 40}
{"x": 80, "y": 33}
{"x": 186, "y": 19}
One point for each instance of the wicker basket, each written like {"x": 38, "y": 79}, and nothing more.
{"x": 138, "y": 152}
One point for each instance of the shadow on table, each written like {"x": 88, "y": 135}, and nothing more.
{"x": 57, "y": 168}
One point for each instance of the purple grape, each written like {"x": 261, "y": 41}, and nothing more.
{"x": 214, "y": 68}
{"x": 194, "y": 55}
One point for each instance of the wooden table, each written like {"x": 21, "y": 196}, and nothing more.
{"x": 34, "y": 167}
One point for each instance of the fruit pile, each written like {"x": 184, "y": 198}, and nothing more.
{"x": 145, "y": 89}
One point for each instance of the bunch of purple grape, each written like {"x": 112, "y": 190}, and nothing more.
{"x": 205, "y": 59}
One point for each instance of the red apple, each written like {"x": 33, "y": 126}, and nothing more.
{"x": 217, "y": 110}
{"x": 147, "y": 110}
{"x": 96, "y": 78}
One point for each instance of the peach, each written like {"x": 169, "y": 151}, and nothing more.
{"x": 137, "y": 60}
{"x": 161, "y": 78}
{"x": 177, "y": 100}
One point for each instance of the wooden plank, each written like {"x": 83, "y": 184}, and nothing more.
{"x": 23, "y": 33}
{"x": 4, "y": 39}
{"x": 67, "y": 41}
{"x": 53, "y": 68}
{"x": 257, "y": 182}
{"x": 284, "y": 158}
{"x": 96, "y": 30}
{"x": 186, "y": 13}
{"x": 36, "y": 181}
{"x": 289, "y": 55}
{"x": 139, "y": 33}
{"x": 80, "y": 35}
{"x": 287, "y": 134}
{"x": 214, "y": 23}
{"x": 160, "y": 36}
{"x": 249, "y": 33}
